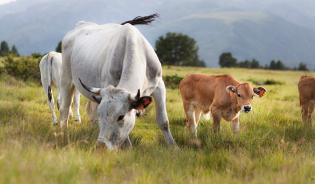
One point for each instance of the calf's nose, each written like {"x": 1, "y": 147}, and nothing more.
{"x": 247, "y": 108}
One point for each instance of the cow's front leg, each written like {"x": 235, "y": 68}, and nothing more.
{"x": 235, "y": 125}
{"x": 76, "y": 104}
{"x": 159, "y": 96}
{"x": 127, "y": 144}
{"x": 66, "y": 97}
{"x": 216, "y": 116}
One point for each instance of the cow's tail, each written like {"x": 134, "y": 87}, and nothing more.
{"x": 145, "y": 20}
{"x": 49, "y": 74}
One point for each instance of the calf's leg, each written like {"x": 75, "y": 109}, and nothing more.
{"x": 235, "y": 125}
{"x": 216, "y": 119}
{"x": 190, "y": 118}
{"x": 309, "y": 114}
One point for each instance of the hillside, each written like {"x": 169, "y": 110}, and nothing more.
{"x": 249, "y": 29}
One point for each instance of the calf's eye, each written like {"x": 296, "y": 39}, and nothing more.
{"x": 120, "y": 118}
{"x": 239, "y": 95}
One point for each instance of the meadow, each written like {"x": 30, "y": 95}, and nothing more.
{"x": 272, "y": 147}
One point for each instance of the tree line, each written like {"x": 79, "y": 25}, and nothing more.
{"x": 181, "y": 50}
{"x": 5, "y": 50}
{"x": 227, "y": 60}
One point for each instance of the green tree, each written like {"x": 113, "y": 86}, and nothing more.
{"x": 4, "y": 48}
{"x": 302, "y": 67}
{"x": 59, "y": 47}
{"x": 14, "y": 51}
{"x": 255, "y": 64}
{"x": 226, "y": 59}
{"x": 277, "y": 65}
{"x": 178, "y": 49}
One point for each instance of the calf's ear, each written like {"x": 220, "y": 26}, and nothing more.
{"x": 231, "y": 88}
{"x": 260, "y": 91}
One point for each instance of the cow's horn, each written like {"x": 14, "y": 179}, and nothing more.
{"x": 96, "y": 91}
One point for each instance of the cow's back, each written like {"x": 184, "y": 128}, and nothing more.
{"x": 50, "y": 68}
{"x": 110, "y": 54}
{"x": 306, "y": 87}
{"x": 202, "y": 89}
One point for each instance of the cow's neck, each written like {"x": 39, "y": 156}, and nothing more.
{"x": 133, "y": 76}
{"x": 134, "y": 63}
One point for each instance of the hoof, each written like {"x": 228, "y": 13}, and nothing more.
{"x": 78, "y": 120}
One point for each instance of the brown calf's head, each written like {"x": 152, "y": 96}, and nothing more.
{"x": 245, "y": 94}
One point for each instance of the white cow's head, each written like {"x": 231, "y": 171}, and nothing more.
{"x": 116, "y": 112}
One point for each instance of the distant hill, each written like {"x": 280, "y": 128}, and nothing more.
{"x": 249, "y": 29}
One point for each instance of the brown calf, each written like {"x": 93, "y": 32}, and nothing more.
{"x": 307, "y": 98}
{"x": 221, "y": 95}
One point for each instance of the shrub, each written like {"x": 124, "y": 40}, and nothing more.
{"x": 172, "y": 81}
{"x": 2, "y": 66}
{"x": 25, "y": 68}
{"x": 266, "y": 82}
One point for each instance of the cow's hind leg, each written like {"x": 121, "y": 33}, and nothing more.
{"x": 159, "y": 96}
{"x": 305, "y": 113}
{"x": 310, "y": 112}
{"x": 51, "y": 103}
{"x": 76, "y": 104}
{"x": 66, "y": 89}
{"x": 66, "y": 98}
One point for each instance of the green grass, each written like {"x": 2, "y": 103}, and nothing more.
{"x": 272, "y": 147}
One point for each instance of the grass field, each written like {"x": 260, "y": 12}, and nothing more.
{"x": 272, "y": 147}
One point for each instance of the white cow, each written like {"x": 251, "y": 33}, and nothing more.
{"x": 124, "y": 71}
{"x": 50, "y": 70}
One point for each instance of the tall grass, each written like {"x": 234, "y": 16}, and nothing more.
{"x": 272, "y": 147}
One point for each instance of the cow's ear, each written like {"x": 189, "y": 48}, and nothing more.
{"x": 141, "y": 103}
{"x": 260, "y": 91}
{"x": 231, "y": 88}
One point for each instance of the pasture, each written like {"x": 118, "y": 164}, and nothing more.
{"x": 272, "y": 147}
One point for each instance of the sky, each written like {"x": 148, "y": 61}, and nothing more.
{"x": 278, "y": 29}
{"x": 2, "y": 2}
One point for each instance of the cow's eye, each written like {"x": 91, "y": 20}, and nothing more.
{"x": 120, "y": 118}
{"x": 239, "y": 95}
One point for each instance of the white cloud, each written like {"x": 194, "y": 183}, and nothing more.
{"x": 2, "y": 2}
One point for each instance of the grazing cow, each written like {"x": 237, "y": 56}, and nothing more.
{"x": 50, "y": 70}
{"x": 221, "y": 95}
{"x": 124, "y": 71}
{"x": 307, "y": 98}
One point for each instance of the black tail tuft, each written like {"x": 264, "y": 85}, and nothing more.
{"x": 142, "y": 20}
{"x": 49, "y": 94}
